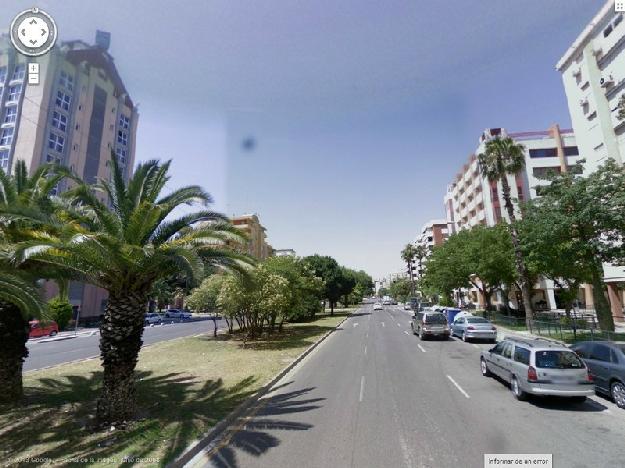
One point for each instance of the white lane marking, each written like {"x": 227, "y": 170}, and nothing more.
{"x": 355, "y": 324}
{"x": 365, "y": 349}
{"x": 362, "y": 387}
{"x": 458, "y": 386}
{"x": 383, "y": 324}
{"x": 406, "y": 332}
{"x": 399, "y": 325}
{"x": 475, "y": 346}
{"x": 421, "y": 348}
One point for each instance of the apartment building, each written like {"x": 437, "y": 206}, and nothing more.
{"x": 76, "y": 116}
{"x": 257, "y": 245}
{"x": 593, "y": 74}
{"x": 472, "y": 200}
{"x": 432, "y": 234}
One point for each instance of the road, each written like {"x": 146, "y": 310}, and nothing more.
{"x": 50, "y": 353}
{"x": 373, "y": 395}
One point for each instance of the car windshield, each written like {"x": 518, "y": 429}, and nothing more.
{"x": 477, "y": 320}
{"x": 435, "y": 318}
{"x": 558, "y": 360}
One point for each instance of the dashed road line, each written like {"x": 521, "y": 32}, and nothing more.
{"x": 475, "y": 346}
{"x": 383, "y": 324}
{"x": 421, "y": 348}
{"x": 460, "y": 389}
{"x": 362, "y": 388}
{"x": 406, "y": 332}
{"x": 365, "y": 349}
{"x": 399, "y": 325}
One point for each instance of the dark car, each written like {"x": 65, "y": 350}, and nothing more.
{"x": 430, "y": 324}
{"x": 606, "y": 362}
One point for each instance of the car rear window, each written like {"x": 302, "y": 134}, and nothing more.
{"x": 476, "y": 320}
{"x": 435, "y": 318}
{"x": 558, "y": 360}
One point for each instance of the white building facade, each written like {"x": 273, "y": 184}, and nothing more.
{"x": 593, "y": 74}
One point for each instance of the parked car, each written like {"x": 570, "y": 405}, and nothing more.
{"x": 386, "y": 302}
{"x": 606, "y": 362}
{"x": 377, "y": 306}
{"x": 429, "y": 323}
{"x": 177, "y": 314}
{"x": 152, "y": 318}
{"x": 538, "y": 367}
{"x": 407, "y": 306}
{"x": 39, "y": 329}
{"x": 469, "y": 328}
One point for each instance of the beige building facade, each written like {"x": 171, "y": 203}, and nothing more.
{"x": 77, "y": 115}
{"x": 257, "y": 246}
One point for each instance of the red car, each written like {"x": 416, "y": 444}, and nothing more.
{"x": 38, "y": 329}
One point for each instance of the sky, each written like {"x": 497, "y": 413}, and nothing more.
{"x": 361, "y": 111}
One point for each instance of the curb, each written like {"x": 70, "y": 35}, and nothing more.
{"x": 60, "y": 338}
{"x": 196, "y": 450}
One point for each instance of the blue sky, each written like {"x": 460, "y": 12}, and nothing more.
{"x": 362, "y": 111}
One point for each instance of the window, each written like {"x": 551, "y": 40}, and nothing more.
{"x": 607, "y": 31}
{"x": 617, "y": 20}
{"x": 559, "y": 360}
{"x": 121, "y": 155}
{"x": 63, "y": 100}
{"x": 124, "y": 122}
{"x": 14, "y": 93}
{"x": 4, "y": 159}
{"x": 519, "y": 190}
{"x": 522, "y": 355}
{"x": 3, "y": 75}
{"x": 545, "y": 172}
{"x": 435, "y": 318}
{"x": 56, "y": 142}
{"x": 7, "y": 136}
{"x": 122, "y": 138}
{"x": 543, "y": 153}
{"x": 600, "y": 352}
{"x": 571, "y": 151}
{"x": 10, "y": 115}
{"x": 18, "y": 72}
{"x": 582, "y": 350}
{"x": 59, "y": 121}
{"x": 53, "y": 159}
{"x": 66, "y": 80}
{"x": 507, "y": 351}
{"x": 477, "y": 320}
{"x": 499, "y": 348}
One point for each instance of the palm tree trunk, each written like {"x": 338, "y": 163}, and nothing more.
{"x": 120, "y": 343}
{"x": 13, "y": 336}
{"x": 526, "y": 285}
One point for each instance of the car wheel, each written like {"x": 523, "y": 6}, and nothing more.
{"x": 464, "y": 336}
{"x": 421, "y": 335}
{"x": 484, "y": 368}
{"x": 516, "y": 390}
{"x": 53, "y": 333}
{"x": 617, "y": 391}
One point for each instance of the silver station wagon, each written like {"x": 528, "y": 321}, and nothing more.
{"x": 537, "y": 366}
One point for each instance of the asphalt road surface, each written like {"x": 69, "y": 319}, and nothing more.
{"x": 50, "y": 353}
{"x": 373, "y": 395}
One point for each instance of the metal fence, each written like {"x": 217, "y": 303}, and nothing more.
{"x": 579, "y": 326}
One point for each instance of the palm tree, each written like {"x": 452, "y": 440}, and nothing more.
{"x": 27, "y": 197}
{"x": 125, "y": 247}
{"x": 407, "y": 255}
{"x": 503, "y": 157}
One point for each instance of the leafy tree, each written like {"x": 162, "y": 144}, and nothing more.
{"x": 330, "y": 272}
{"x": 586, "y": 217}
{"x": 204, "y": 298}
{"x": 482, "y": 257}
{"x": 401, "y": 289}
{"x": 407, "y": 254}
{"x": 383, "y": 292}
{"x": 235, "y": 300}
{"x": 273, "y": 297}
{"x": 22, "y": 198}
{"x": 348, "y": 283}
{"x": 60, "y": 311}
{"x": 125, "y": 249}
{"x": 503, "y": 157}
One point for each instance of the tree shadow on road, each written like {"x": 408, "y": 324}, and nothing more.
{"x": 55, "y": 420}
{"x": 253, "y": 430}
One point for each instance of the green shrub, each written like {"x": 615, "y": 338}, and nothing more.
{"x": 60, "y": 311}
